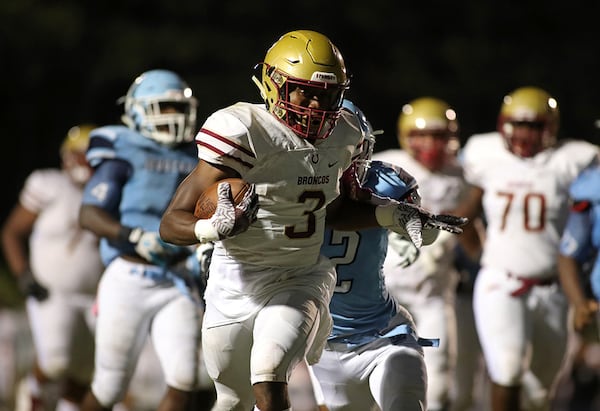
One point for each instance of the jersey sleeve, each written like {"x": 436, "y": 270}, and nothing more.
{"x": 39, "y": 190}
{"x": 477, "y": 155}
{"x": 576, "y": 239}
{"x": 104, "y": 187}
{"x": 225, "y": 140}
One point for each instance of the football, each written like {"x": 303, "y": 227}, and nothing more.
{"x": 207, "y": 202}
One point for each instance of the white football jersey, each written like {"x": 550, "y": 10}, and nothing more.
{"x": 63, "y": 256}
{"x": 294, "y": 180}
{"x": 525, "y": 200}
{"x": 440, "y": 192}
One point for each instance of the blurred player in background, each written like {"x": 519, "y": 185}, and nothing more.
{"x": 520, "y": 177}
{"x": 146, "y": 287}
{"x": 579, "y": 269}
{"x": 373, "y": 356}
{"x": 269, "y": 288}
{"x": 57, "y": 266}
{"x": 427, "y": 127}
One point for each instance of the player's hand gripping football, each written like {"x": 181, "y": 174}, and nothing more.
{"x": 410, "y": 220}
{"x": 228, "y": 219}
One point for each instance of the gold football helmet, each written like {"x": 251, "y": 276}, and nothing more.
{"x": 528, "y": 121}
{"x": 72, "y": 153}
{"x": 304, "y": 59}
{"x": 426, "y": 126}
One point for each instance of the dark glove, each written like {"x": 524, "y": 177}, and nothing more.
{"x": 30, "y": 287}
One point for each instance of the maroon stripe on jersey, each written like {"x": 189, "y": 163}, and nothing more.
{"x": 221, "y": 153}
{"x": 228, "y": 142}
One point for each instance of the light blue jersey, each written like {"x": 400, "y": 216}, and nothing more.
{"x": 360, "y": 303}
{"x": 138, "y": 186}
{"x": 581, "y": 237}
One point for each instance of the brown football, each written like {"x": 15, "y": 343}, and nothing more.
{"x": 207, "y": 202}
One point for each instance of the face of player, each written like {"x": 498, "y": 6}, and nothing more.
{"x": 429, "y": 148}
{"x": 524, "y": 137}
{"x": 309, "y": 107}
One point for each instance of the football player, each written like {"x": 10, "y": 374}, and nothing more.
{"x": 145, "y": 289}
{"x": 579, "y": 269}
{"x": 269, "y": 288}
{"x": 373, "y": 357}
{"x": 57, "y": 266}
{"x": 427, "y": 127}
{"x": 520, "y": 176}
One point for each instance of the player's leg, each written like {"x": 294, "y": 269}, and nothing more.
{"x": 399, "y": 380}
{"x": 436, "y": 319}
{"x": 503, "y": 327}
{"x": 126, "y": 305}
{"x": 176, "y": 338}
{"x": 550, "y": 324}
{"x": 342, "y": 376}
{"x": 227, "y": 357}
{"x": 81, "y": 355}
{"x": 51, "y": 323}
{"x": 301, "y": 389}
{"x": 284, "y": 330}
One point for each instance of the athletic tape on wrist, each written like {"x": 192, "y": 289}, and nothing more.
{"x": 205, "y": 231}
{"x": 384, "y": 214}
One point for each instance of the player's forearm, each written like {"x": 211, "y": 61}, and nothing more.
{"x": 177, "y": 227}
{"x": 568, "y": 269}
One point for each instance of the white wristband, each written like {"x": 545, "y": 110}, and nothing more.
{"x": 205, "y": 231}
{"x": 384, "y": 214}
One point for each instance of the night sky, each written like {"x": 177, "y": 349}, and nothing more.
{"x": 66, "y": 62}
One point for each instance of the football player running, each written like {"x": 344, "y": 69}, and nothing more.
{"x": 57, "y": 266}
{"x": 579, "y": 269}
{"x": 373, "y": 356}
{"x": 269, "y": 288}
{"x": 520, "y": 176}
{"x": 143, "y": 291}
{"x": 427, "y": 127}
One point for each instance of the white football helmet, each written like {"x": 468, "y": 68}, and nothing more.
{"x": 160, "y": 105}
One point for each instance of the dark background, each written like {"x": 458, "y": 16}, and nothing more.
{"x": 66, "y": 62}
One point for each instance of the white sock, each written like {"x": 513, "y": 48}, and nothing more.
{"x": 256, "y": 409}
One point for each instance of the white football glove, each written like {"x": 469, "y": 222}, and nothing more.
{"x": 229, "y": 219}
{"x": 410, "y": 220}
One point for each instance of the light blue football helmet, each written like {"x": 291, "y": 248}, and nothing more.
{"x": 160, "y": 105}
{"x": 384, "y": 182}
{"x": 365, "y": 128}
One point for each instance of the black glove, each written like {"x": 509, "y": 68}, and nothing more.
{"x": 30, "y": 287}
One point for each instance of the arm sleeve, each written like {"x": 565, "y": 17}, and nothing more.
{"x": 104, "y": 188}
